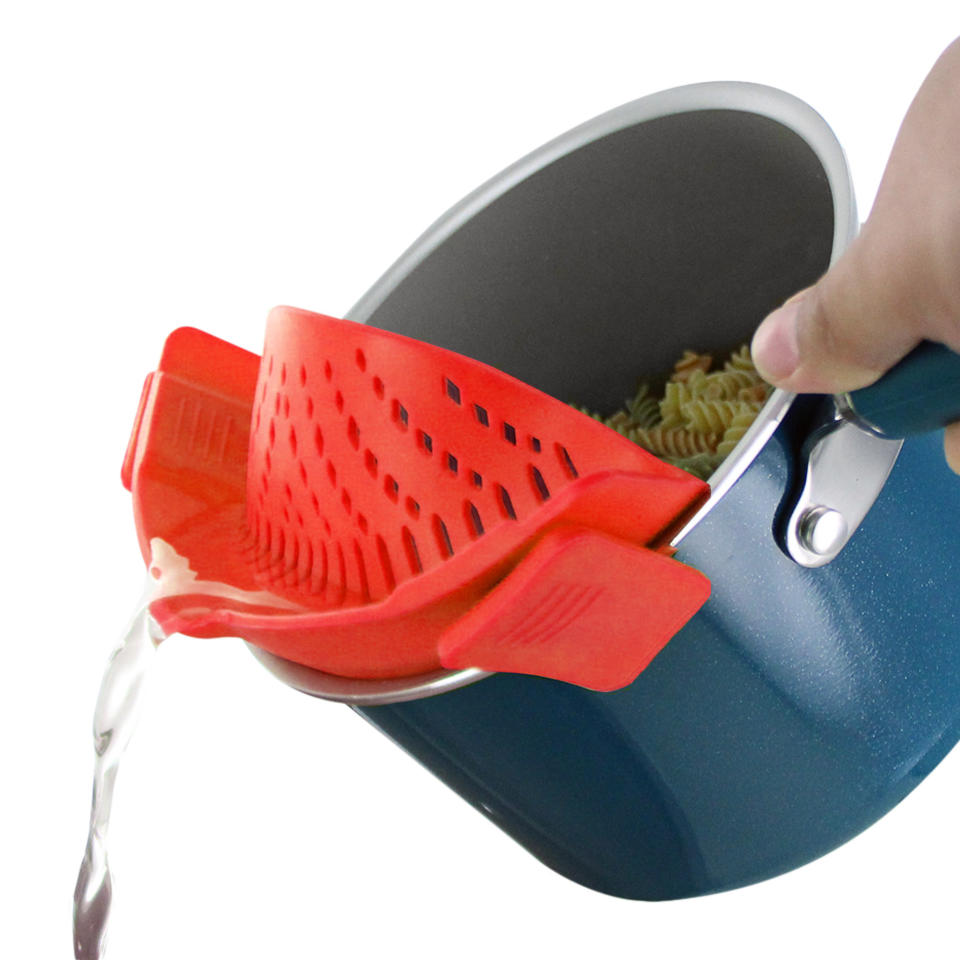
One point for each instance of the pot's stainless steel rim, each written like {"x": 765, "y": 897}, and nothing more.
{"x": 364, "y": 693}
{"x": 721, "y": 95}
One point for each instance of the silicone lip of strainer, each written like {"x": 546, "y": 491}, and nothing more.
{"x": 384, "y": 511}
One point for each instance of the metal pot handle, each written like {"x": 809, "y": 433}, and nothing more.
{"x": 849, "y": 456}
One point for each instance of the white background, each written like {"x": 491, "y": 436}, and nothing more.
{"x": 194, "y": 163}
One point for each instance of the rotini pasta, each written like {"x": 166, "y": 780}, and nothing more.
{"x": 676, "y": 394}
{"x": 741, "y": 360}
{"x": 727, "y": 384}
{"x": 738, "y": 427}
{"x": 702, "y": 416}
{"x": 644, "y": 409}
{"x": 689, "y": 362}
{"x": 706, "y": 416}
{"x": 675, "y": 441}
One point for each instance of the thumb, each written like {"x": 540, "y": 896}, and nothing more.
{"x": 844, "y": 332}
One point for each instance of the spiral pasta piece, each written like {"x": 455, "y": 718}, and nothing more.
{"x": 688, "y": 363}
{"x": 646, "y": 413}
{"x": 644, "y": 409}
{"x": 741, "y": 360}
{"x": 756, "y": 394}
{"x": 738, "y": 427}
{"x": 675, "y": 395}
{"x": 727, "y": 384}
{"x": 675, "y": 441}
{"x": 709, "y": 416}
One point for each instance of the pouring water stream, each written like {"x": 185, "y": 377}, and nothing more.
{"x": 115, "y": 717}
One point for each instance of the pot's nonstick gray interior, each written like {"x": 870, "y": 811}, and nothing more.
{"x": 678, "y": 232}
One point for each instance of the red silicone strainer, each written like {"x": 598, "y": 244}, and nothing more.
{"x": 372, "y": 506}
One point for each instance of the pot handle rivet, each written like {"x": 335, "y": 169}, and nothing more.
{"x": 822, "y": 530}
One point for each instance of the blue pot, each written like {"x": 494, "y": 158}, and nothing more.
{"x": 802, "y": 702}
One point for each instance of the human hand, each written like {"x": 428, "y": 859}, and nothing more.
{"x": 899, "y": 281}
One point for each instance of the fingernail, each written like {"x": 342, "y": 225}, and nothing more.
{"x": 774, "y": 346}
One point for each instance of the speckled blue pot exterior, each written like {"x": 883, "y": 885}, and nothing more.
{"x": 797, "y": 708}
{"x": 800, "y": 704}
